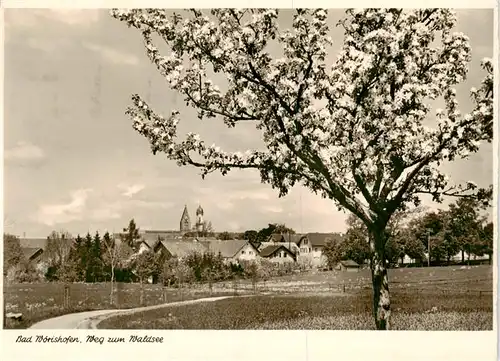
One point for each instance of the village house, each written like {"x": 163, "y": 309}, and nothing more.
{"x": 289, "y": 241}
{"x": 33, "y": 243}
{"x": 33, "y": 248}
{"x": 469, "y": 257}
{"x": 34, "y": 251}
{"x": 147, "y": 243}
{"x": 233, "y": 250}
{"x": 278, "y": 253}
{"x": 179, "y": 248}
{"x": 161, "y": 234}
{"x": 311, "y": 248}
{"x": 348, "y": 266}
{"x": 32, "y": 254}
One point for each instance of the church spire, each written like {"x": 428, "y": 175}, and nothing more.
{"x": 185, "y": 223}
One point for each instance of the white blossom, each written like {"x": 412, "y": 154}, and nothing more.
{"x": 374, "y": 98}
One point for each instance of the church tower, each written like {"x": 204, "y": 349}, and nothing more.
{"x": 199, "y": 219}
{"x": 185, "y": 224}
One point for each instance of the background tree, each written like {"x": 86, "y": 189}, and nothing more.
{"x": 356, "y": 245}
{"x": 224, "y": 236}
{"x": 144, "y": 268}
{"x": 114, "y": 255}
{"x": 190, "y": 234}
{"x": 413, "y": 247}
{"x": 264, "y": 233}
{"x": 430, "y": 225}
{"x": 131, "y": 236}
{"x": 95, "y": 258}
{"x": 23, "y": 272}
{"x": 12, "y": 252}
{"x": 208, "y": 229}
{"x": 87, "y": 257}
{"x": 438, "y": 248}
{"x": 355, "y": 248}
{"x": 251, "y": 272}
{"x": 465, "y": 223}
{"x": 441, "y": 227}
{"x": 77, "y": 258}
{"x": 487, "y": 240}
{"x": 159, "y": 261}
{"x": 283, "y": 229}
{"x": 354, "y": 133}
{"x": 450, "y": 243}
{"x": 332, "y": 250}
{"x": 169, "y": 274}
{"x": 272, "y": 228}
{"x": 183, "y": 273}
{"x": 250, "y": 235}
{"x": 124, "y": 262}
{"x": 58, "y": 246}
{"x": 56, "y": 253}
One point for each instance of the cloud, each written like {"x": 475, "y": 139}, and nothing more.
{"x": 83, "y": 17}
{"x": 66, "y": 212}
{"x": 150, "y": 205}
{"x": 260, "y": 195}
{"x": 272, "y": 209}
{"x": 112, "y": 55}
{"x": 28, "y": 18}
{"x": 24, "y": 151}
{"x": 129, "y": 191}
{"x": 103, "y": 214}
{"x": 234, "y": 226}
{"x": 47, "y": 45}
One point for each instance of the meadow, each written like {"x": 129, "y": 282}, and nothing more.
{"x": 461, "y": 293}
{"x": 40, "y": 301}
{"x": 422, "y": 311}
{"x": 440, "y": 299}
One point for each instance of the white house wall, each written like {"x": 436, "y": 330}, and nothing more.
{"x": 283, "y": 259}
{"x": 247, "y": 253}
{"x": 311, "y": 255}
{"x": 143, "y": 248}
{"x": 317, "y": 252}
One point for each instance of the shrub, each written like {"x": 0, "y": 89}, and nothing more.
{"x": 23, "y": 272}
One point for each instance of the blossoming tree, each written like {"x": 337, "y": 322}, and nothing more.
{"x": 356, "y": 132}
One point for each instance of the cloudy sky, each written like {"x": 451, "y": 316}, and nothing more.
{"x": 73, "y": 161}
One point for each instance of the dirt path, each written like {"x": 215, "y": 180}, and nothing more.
{"x": 90, "y": 319}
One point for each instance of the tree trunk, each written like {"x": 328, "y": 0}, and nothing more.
{"x": 463, "y": 258}
{"x": 111, "y": 295}
{"x": 141, "y": 296}
{"x": 380, "y": 282}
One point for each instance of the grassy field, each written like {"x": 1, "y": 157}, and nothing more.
{"x": 45, "y": 300}
{"x": 450, "y": 298}
{"x": 456, "y": 279}
{"x": 476, "y": 277}
{"x": 425, "y": 311}
{"x": 41, "y": 301}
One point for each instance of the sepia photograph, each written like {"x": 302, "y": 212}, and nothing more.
{"x": 248, "y": 169}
